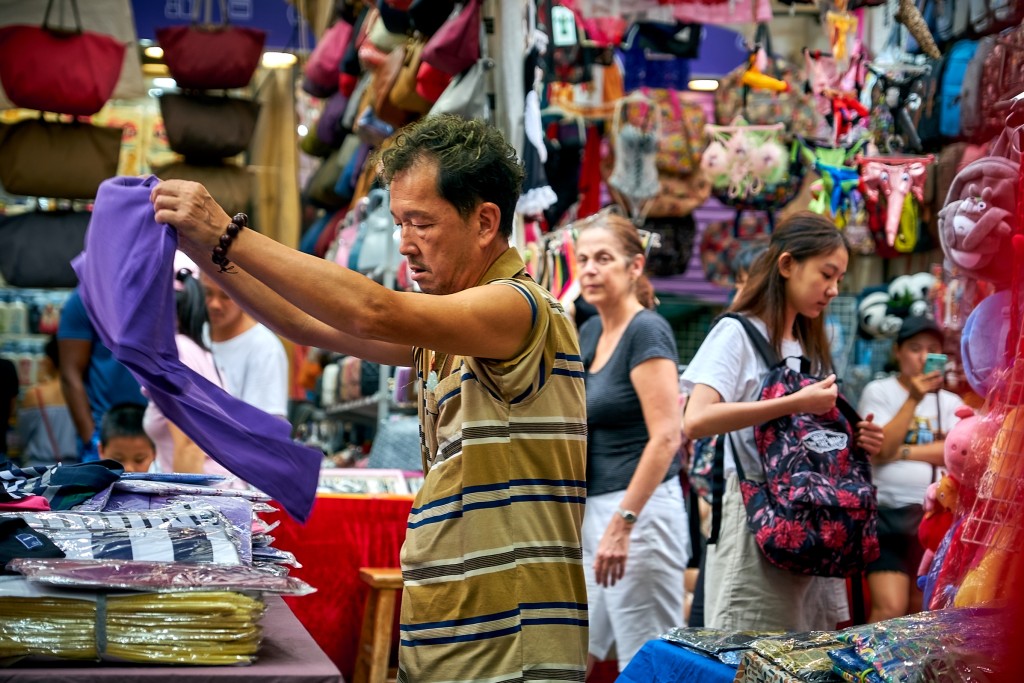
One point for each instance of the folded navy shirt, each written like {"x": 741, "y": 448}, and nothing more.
{"x": 125, "y": 276}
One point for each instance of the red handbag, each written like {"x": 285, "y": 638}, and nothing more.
{"x": 59, "y": 70}
{"x": 456, "y": 45}
{"x": 211, "y": 56}
{"x": 322, "y": 67}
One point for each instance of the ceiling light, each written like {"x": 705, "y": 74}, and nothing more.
{"x": 154, "y": 52}
{"x": 278, "y": 60}
{"x": 703, "y": 84}
{"x": 164, "y": 83}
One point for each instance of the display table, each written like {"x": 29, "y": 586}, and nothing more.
{"x": 287, "y": 655}
{"x": 662, "y": 662}
{"x": 342, "y": 534}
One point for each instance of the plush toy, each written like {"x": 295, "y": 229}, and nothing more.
{"x": 899, "y": 180}
{"x": 1001, "y": 555}
{"x": 976, "y": 223}
{"x": 941, "y": 500}
{"x": 983, "y": 342}
{"x": 908, "y": 294}
{"x": 876, "y": 322}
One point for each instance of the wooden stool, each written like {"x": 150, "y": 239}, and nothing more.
{"x": 378, "y": 618}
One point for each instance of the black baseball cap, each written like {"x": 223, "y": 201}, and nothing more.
{"x": 918, "y": 324}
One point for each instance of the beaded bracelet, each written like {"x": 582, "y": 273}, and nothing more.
{"x": 220, "y": 252}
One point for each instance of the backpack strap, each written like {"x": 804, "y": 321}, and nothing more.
{"x": 771, "y": 358}
{"x": 718, "y": 483}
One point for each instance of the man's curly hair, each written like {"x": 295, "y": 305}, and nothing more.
{"x": 474, "y": 163}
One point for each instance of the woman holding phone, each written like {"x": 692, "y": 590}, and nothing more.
{"x": 915, "y": 413}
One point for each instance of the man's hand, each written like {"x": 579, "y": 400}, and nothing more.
{"x": 189, "y": 208}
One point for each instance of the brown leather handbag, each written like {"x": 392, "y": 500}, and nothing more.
{"x": 208, "y": 128}
{"x": 383, "y": 83}
{"x": 40, "y": 158}
{"x": 403, "y": 93}
{"x": 230, "y": 185}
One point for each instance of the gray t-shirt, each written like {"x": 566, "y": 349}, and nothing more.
{"x": 617, "y": 434}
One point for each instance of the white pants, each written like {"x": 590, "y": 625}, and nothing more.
{"x": 648, "y": 601}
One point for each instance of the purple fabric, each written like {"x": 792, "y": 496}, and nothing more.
{"x": 125, "y": 278}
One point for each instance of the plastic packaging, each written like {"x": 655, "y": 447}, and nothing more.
{"x": 713, "y": 641}
{"x": 182, "y": 532}
{"x": 155, "y": 576}
{"x": 212, "y": 628}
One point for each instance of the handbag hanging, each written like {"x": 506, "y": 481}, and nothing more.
{"x": 466, "y": 95}
{"x": 66, "y": 71}
{"x": 682, "y": 131}
{"x": 36, "y": 247}
{"x": 403, "y": 92}
{"x": 208, "y": 128}
{"x": 427, "y": 16}
{"x": 230, "y": 185}
{"x": 456, "y": 45}
{"x": 211, "y": 56}
{"x": 41, "y": 158}
{"x": 322, "y": 69}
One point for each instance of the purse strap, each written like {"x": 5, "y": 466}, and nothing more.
{"x": 206, "y": 7}
{"x": 74, "y": 10}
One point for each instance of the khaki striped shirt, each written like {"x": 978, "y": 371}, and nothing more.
{"x": 494, "y": 587}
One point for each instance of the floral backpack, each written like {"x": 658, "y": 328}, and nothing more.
{"x": 816, "y": 511}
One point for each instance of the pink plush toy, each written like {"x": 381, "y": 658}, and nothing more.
{"x": 943, "y": 497}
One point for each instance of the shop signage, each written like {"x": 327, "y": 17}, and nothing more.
{"x": 277, "y": 17}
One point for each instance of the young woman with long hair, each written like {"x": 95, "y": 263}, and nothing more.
{"x": 785, "y": 296}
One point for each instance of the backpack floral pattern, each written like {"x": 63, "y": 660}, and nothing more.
{"x": 816, "y": 513}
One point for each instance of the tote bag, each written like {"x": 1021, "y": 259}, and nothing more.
{"x": 211, "y": 56}
{"x": 466, "y": 95}
{"x": 49, "y": 68}
{"x": 36, "y": 156}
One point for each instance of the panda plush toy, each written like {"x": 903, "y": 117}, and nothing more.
{"x": 908, "y": 294}
{"x": 875, "y": 320}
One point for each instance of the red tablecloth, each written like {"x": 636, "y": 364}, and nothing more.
{"x": 343, "y": 534}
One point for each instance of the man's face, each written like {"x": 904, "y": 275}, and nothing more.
{"x": 440, "y": 247}
{"x": 135, "y": 453}
{"x": 225, "y": 314}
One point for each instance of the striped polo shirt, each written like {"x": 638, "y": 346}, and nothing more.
{"x": 492, "y": 561}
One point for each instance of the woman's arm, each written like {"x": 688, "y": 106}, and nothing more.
{"x": 895, "y": 430}
{"x": 188, "y": 457}
{"x": 656, "y": 384}
{"x": 707, "y": 414}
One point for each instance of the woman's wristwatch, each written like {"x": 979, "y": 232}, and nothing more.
{"x": 627, "y": 515}
{"x": 905, "y": 453}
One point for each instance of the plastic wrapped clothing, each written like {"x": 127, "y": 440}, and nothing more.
{"x": 125, "y": 275}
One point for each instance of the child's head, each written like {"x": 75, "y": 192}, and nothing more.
{"x": 743, "y": 263}
{"x": 796, "y": 278}
{"x": 123, "y": 439}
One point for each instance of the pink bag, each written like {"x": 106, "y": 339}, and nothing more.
{"x": 322, "y": 67}
{"x": 50, "y": 68}
{"x": 456, "y": 45}
{"x": 210, "y": 56}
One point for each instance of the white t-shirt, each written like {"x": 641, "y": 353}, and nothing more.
{"x": 728, "y": 363}
{"x": 904, "y": 482}
{"x": 254, "y": 366}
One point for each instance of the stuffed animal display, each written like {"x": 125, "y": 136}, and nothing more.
{"x": 976, "y": 223}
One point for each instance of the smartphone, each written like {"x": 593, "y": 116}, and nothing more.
{"x": 935, "y": 361}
